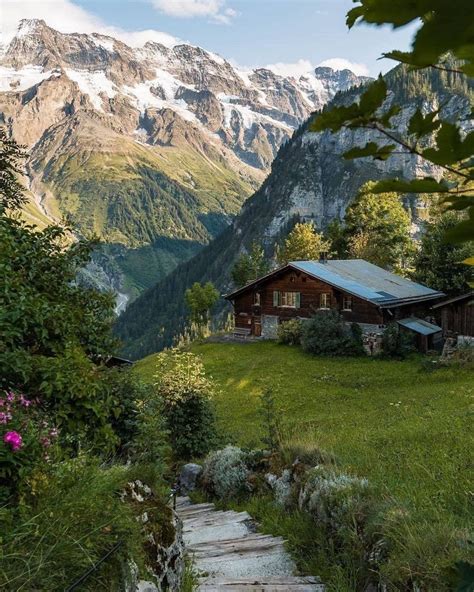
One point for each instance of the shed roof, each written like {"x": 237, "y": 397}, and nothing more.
{"x": 468, "y": 296}
{"x": 419, "y": 326}
{"x": 360, "y": 278}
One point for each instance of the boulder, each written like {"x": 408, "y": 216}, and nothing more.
{"x": 188, "y": 477}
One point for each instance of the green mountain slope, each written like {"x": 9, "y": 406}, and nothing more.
{"x": 309, "y": 180}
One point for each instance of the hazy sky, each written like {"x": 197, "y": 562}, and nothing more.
{"x": 249, "y": 32}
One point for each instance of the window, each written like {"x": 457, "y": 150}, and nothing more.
{"x": 256, "y": 298}
{"x": 287, "y": 299}
{"x": 347, "y": 303}
{"x": 325, "y": 300}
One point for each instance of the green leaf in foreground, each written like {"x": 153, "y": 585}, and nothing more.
{"x": 370, "y": 149}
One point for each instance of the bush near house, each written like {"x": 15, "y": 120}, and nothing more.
{"x": 290, "y": 332}
{"x": 326, "y": 333}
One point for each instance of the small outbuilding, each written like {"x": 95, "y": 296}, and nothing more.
{"x": 427, "y": 335}
{"x": 456, "y": 315}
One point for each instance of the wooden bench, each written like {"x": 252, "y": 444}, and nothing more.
{"x": 241, "y": 332}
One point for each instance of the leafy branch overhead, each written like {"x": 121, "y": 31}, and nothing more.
{"x": 444, "y": 29}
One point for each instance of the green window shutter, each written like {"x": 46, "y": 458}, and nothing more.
{"x": 276, "y": 298}
{"x": 298, "y": 300}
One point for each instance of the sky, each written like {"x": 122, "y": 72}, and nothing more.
{"x": 290, "y": 35}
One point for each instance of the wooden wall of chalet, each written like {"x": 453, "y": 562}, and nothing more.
{"x": 458, "y": 318}
{"x": 310, "y": 290}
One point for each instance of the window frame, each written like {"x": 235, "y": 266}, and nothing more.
{"x": 327, "y": 301}
{"x": 283, "y": 296}
{"x": 345, "y": 299}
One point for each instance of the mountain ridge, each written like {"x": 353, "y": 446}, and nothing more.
{"x": 98, "y": 116}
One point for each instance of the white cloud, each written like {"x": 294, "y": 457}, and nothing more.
{"x": 343, "y": 64}
{"x": 67, "y": 17}
{"x": 213, "y": 9}
{"x": 295, "y": 69}
{"x": 301, "y": 67}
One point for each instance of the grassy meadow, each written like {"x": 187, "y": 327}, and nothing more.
{"x": 405, "y": 428}
{"x": 401, "y": 424}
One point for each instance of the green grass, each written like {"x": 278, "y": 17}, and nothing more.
{"x": 408, "y": 430}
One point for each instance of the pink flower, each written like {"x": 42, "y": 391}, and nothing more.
{"x": 53, "y": 433}
{"x": 24, "y": 402}
{"x": 5, "y": 417}
{"x": 14, "y": 439}
{"x": 2, "y": 402}
{"x": 10, "y": 397}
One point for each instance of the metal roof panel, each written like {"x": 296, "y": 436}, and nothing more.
{"x": 419, "y": 326}
{"x": 364, "y": 279}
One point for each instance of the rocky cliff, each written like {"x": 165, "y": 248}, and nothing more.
{"x": 310, "y": 180}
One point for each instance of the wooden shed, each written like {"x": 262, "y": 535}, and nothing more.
{"x": 456, "y": 315}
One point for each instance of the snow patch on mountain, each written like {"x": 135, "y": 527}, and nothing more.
{"x": 93, "y": 84}
{"x": 23, "y": 79}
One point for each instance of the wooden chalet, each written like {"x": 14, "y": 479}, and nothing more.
{"x": 456, "y": 315}
{"x": 362, "y": 292}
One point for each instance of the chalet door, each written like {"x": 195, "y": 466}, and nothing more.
{"x": 257, "y": 327}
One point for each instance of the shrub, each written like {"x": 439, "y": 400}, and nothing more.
{"x": 186, "y": 393}
{"x": 396, "y": 343}
{"x": 289, "y": 332}
{"x": 225, "y": 473}
{"x": 71, "y": 518}
{"x": 327, "y": 334}
{"x": 338, "y": 501}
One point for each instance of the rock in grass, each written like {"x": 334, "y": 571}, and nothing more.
{"x": 189, "y": 477}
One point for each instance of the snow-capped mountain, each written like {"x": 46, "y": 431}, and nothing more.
{"x": 142, "y": 145}
{"x": 251, "y": 112}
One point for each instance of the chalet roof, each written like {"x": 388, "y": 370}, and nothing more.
{"x": 360, "y": 278}
{"x": 419, "y": 326}
{"x": 468, "y": 296}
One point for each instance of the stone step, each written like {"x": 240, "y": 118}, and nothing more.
{"x": 195, "y": 509}
{"x": 270, "y": 584}
{"x": 215, "y": 532}
{"x": 268, "y": 562}
{"x": 253, "y": 544}
{"x": 214, "y": 518}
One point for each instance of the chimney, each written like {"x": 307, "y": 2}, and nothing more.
{"x": 323, "y": 257}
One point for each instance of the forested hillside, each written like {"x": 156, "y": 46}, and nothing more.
{"x": 309, "y": 179}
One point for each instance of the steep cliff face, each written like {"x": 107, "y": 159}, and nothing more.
{"x": 309, "y": 180}
{"x": 137, "y": 145}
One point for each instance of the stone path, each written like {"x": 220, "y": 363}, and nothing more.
{"x": 232, "y": 557}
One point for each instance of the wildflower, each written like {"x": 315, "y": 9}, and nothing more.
{"x": 24, "y": 402}
{"x": 2, "y": 402}
{"x": 10, "y": 397}
{"x": 45, "y": 442}
{"x": 53, "y": 433}
{"x": 5, "y": 417}
{"x": 14, "y": 439}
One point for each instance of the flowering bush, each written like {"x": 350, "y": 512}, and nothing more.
{"x": 25, "y": 437}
